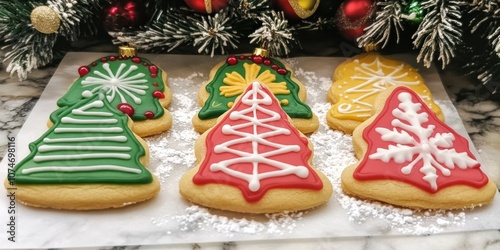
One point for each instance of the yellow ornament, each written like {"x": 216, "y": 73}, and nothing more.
{"x": 45, "y": 20}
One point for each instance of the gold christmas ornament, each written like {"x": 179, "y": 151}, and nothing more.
{"x": 45, "y": 20}
{"x": 127, "y": 51}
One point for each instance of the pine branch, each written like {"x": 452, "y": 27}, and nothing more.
{"x": 77, "y": 17}
{"x": 388, "y": 17}
{"x": 176, "y": 28}
{"x": 28, "y": 49}
{"x": 215, "y": 33}
{"x": 275, "y": 34}
{"x": 440, "y": 32}
{"x": 484, "y": 28}
{"x": 250, "y": 9}
{"x": 487, "y": 18}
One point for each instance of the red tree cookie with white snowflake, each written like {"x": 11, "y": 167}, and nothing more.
{"x": 407, "y": 143}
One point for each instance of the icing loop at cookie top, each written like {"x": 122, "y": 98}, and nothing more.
{"x": 407, "y": 142}
{"x": 124, "y": 81}
{"x": 255, "y": 148}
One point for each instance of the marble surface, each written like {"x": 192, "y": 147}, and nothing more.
{"x": 479, "y": 111}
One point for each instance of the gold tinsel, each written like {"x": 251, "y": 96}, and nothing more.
{"x": 45, "y": 19}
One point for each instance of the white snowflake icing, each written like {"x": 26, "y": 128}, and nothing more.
{"x": 120, "y": 83}
{"x": 251, "y": 98}
{"x": 374, "y": 81}
{"x": 436, "y": 152}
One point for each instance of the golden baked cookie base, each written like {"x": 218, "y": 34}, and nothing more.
{"x": 84, "y": 196}
{"x": 405, "y": 195}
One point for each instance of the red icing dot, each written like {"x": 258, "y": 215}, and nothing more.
{"x": 275, "y": 67}
{"x": 149, "y": 114}
{"x": 158, "y": 94}
{"x": 257, "y": 59}
{"x": 282, "y": 71}
{"x": 153, "y": 70}
{"x": 83, "y": 70}
{"x": 145, "y": 64}
{"x": 250, "y": 58}
{"x": 232, "y": 60}
{"x": 267, "y": 62}
{"x": 94, "y": 64}
{"x": 104, "y": 59}
{"x": 155, "y": 84}
{"x": 136, "y": 60}
{"x": 153, "y": 75}
{"x": 120, "y": 58}
{"x": 112, "y": 58}
{"x": 126, "y": 108}
{"x": 242, "y": 57}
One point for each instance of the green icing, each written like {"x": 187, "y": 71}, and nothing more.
{"x": 217, "y": 104}
{"x": 130, "y": 171}
{"x": 134, "y": 85}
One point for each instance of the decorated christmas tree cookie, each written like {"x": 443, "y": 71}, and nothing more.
{"x": 410, "y": 158}
{"x": 89, "y": 159}
{"x": 229, "y": 79}
{"x": 358, "y": 81}
{"x": 255, "y": 161}
{"x": 131, "y": 84}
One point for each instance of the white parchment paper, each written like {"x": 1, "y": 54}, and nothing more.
{"x": 168, "y": 219}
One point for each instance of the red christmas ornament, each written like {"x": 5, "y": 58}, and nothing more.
{"x": 297, "y": 9}
{"x": 124, "y": 14}
{"x": 353, "y": 16}
{"x": 206, "y": 6}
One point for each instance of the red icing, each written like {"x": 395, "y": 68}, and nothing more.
{"x": 250, "y": 58}
{"x": 83, "y": 70}
{"x": 257, "y": 59}
{"x": 126, "y": 108}
{"x": 149, "y": 114}
{"x": 281, "y": 71}
{"x": 104, "y": 59}
{"x": 158, "y": 94}
{"x": 267, "y": 62}
{"x": 155, "y": 84}
{"x": 217, "y": 137}
{"x": 120, "y": 58}
{"x": 136, "y": 60}
{"x": 94, "y": 64}
{"x": 242, "y": 57}
{"x": 275, "y": 67}
{"x": 232, "y": 60}
{"x": 153, "y": 70}
{"x": 145, "y": 64}
{"x": 375, "y": 169}
{"x": 112, "y": 58}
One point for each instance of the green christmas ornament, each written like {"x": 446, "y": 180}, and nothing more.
{"x": 414, "y": 12}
